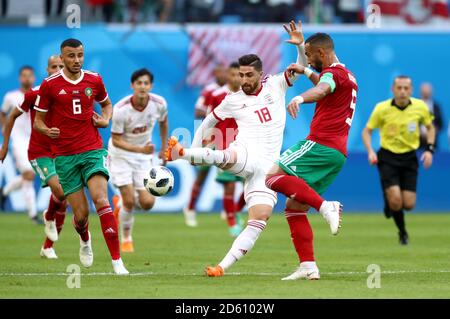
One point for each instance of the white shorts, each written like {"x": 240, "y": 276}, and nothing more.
{"x": 20, "y": 152}
{"x": 125, "y": 171}
{"x": 254, "y": 169}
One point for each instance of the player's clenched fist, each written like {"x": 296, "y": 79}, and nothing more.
{"x": 53, "y": 132}
{"x": 148, "y": 148}
{"x": 373, "y": 158}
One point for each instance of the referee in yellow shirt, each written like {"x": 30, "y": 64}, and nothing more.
{"x": 399, "y": 120}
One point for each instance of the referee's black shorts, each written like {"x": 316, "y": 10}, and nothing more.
{"x": 398, "y": 169}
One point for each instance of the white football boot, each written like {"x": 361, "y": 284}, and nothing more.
{"x": 119, "y": 268}
{"x": 48, "y": 253}
{"x": 50, "y": 228}
{"x": 190, "y": 217}
{"x": 331, "y": 211}
{"x": 306, "y": 270}
{"x": 86, "y": 254}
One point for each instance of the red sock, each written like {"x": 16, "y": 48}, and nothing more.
{"x": 241, "y": 203}
{"x": 59, "y": 220}
{"x": 296, "y": 188}
{"x": 230, "y": 209}
{"x": 194, "y": 196}
{"x": 82, "y": 229}
{"x": 301, "y": 234}
{"x": 109, "y": 229}
{"x": 54, "y": 205}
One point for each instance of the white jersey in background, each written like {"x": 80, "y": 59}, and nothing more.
{"x": 21, "y": 132}
{"x": 22, "y": 125}
{"x": 136, "y": 127}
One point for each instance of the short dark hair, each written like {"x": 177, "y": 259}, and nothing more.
{"x": 251, "y": 60}
{"x": 234, "y": 65}
{"x": 402, "y": 76}
{"x": 321, "y": 39}
{"x": 138, "y": 73}
{"x": 73, "y": 43}
{"x": 26, "y": 67}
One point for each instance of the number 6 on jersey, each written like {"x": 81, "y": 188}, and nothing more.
{"x": 76, "y": 103}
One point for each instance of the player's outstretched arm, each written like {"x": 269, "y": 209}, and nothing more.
{"x": 15, "y": 113}
{"x": 312, "y": 95}
{"x": 296, "y": 38}
{"x": 39, "y": 125}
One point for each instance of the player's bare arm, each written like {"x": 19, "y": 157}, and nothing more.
{"x": 312, "y": 95}
{"x": 367, "y": 140}
{"x": 427, "y": 156}
{"x": 102, "y": 121}
{"x": 163, "y": 134}
{"x": 39, "y": 125}
{"x": 119, "y": 142}
{"x": 15, "y": 113}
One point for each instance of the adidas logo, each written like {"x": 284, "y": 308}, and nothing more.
{"x": 110, "y": 231}
{"x": 62, "y": 92}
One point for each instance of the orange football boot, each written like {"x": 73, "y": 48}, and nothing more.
{"x": 127, "y": 247}
{"x": 174, "y": 149}
{"x": 212, "y": 271}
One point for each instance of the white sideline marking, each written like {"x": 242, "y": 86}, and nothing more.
{"x": 340, "y": 273}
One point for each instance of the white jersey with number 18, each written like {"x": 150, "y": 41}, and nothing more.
{"x": 261, "y": 117}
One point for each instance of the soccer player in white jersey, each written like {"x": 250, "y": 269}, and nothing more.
{"x": 259, "y": 111}
{"x": 130, "y": 148}
{"x": 20, "y": 137}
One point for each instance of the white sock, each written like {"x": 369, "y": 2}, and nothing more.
{"x": 126, "y": 219}
{"x": 206, "y": 156}
{"x": 30, "y": 197}
{"x": 243, "y": 243}
{"x": 13, "y": 185}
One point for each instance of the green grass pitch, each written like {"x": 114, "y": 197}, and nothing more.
{"x": 170, "y": 258}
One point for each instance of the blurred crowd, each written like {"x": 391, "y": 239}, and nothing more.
{"x": 234, "y": 11}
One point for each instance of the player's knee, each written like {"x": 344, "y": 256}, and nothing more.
{"x": 395, "y": 203}
{"x": 147, "y": 204}
{"x": 28, "y": 175}
{"x": 409, "y": 205}
{"x": 100, "y": 201}
{"x": 128, "y": 203}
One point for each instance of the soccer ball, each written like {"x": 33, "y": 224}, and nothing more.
{"x": 159, "y": 181}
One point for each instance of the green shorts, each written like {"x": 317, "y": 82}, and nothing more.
{"x": 44, "y": 167}
{"x": 74, "y": 171}
{"x": 203, "y": 168}
{"x": 316, "y": 164}
{"x": 226, "y": 177}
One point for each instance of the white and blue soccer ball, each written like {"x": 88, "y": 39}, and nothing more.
{"x": 159, "y": 181}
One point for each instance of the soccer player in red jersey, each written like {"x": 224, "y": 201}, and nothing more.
{"x": 80, "y": 159}
{"x": 201, "y": 108}
{"x": 221, "y": 139}
{"x": 307, "y": 168}
{"x": 41, "y": 159}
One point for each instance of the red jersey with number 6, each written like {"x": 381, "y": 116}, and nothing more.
{"x": 70, "y": 106}
{"x": 334, "y": 113}
{"x": 39, "y": 145}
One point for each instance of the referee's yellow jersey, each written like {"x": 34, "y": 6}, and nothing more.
{"x": 400, "y": 128}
